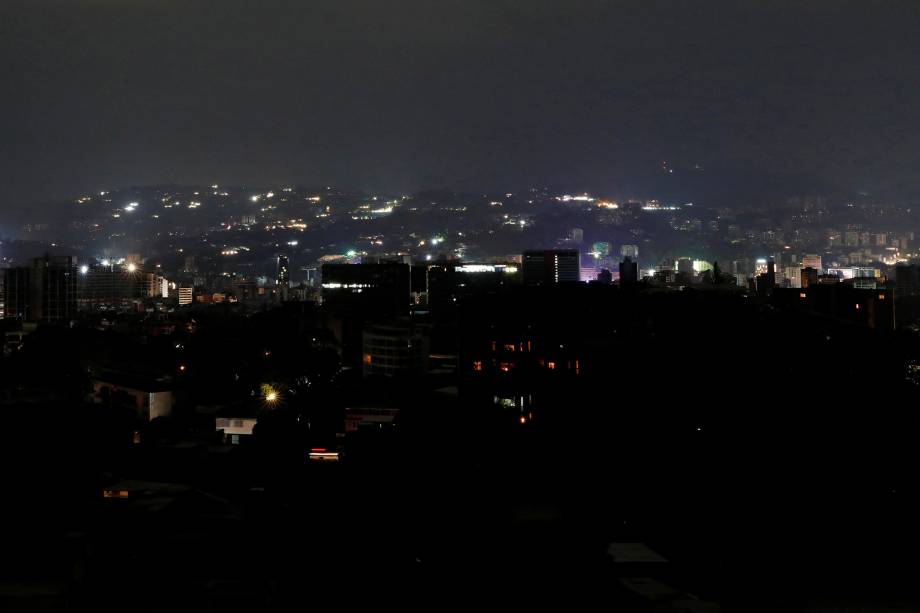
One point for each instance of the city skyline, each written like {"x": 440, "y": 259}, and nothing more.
{"x": 566, "y": 304}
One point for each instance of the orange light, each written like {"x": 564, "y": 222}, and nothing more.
{"x": 182, "y": 367}
{"x": 881, "y": 296}
{"x": 523, "y": 419}
{"x": 551, "y": 365}
{"x": 477, "y": 365}
{"x": 803, "y": 295}
{"x": 367, "y": 358}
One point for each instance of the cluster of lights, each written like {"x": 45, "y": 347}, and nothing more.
{"x": 477, "y": 268}
{"x": 357, "y": 286}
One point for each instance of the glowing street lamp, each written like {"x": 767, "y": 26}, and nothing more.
{"x": 270, "y": 396}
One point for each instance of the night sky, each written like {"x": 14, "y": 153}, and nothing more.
{"x": 466, "y": 94}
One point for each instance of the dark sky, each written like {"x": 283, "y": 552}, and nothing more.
{"x": 398, "y": 94}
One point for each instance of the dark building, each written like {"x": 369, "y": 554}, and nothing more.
{"x": 42, "y": 292}
{"x": 355, "y": 294}
{"x": 907, "y": 279}
{"x": 605, "y": 277}
{"x": 381, "y": 288}
{"x": 395, "y": 348}
{"x": 551, "y": 266}
{"x": 449, "y": 283}
{"x": 629, "y": 271}
{"x": 809, "y": 277}
{"x": 873, "y": 308}
{"x": 111, "y": 287}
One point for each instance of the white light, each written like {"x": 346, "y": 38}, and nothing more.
{"x": 132, "y": 267}
{"x": 428, "y": 257}
{"x": 84, "y": 269}
{"x": 106, "y": 263}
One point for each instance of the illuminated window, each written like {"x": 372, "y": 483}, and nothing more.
{"x": 577, "y": 367}
{"x": 551, "y": 365}
{"x": 857, "y": 307}
{"x": 477, "y": 365}
{"x": 506, "y": 366}
{"x": 367, "y": 358}
{"x": 881, "y": 296}
{"x": 493, "y": 345}
{"x": 803, "y": 295}
{"x": 509, "y": 347}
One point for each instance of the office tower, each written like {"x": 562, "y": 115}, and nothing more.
{"x": 630, "y": 251}
{"x": 371, "y": 288}
{"x": 577, "y": 235}
{"x": 191, "y": 264}
{"x": 629, "y": 271}
{"x": 907, "y": 279}
{"x": 812, "y": 260}
{"x": 112, "y": 286}
{"x": 44, "y": 291}
{"x": 685, "y": 266}
{"x": 601, "y": 249}
{"x": 809, "y": 277}
{"x": 587, "y": 273}
{"x": 395, "y": 348}
{"x": 551, "y": 266}
{"x": 283, "y": 274}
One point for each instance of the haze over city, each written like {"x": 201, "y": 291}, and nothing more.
{"x": 770, "y": 99}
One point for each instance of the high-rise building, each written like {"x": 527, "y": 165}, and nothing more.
{"x": 809, "y": 277}
{"x": 551, "y": 266}
{"x": 630, "y": 251}
{"x": 191, "y": 264}
{"x": 907, "y": 279}
{"x": 383, "y": 288}
{"x": 185, "y": 296}
{"x": 112, "y": 286}
{"x": 44, "y": 291}
{"x": 812, "y": 260}
{"x": 577, "y": 235}
{"x": 395, "y": 348}
{"x": 283, "y": 274}
{"x": 601, "y": 249}
{"x": 685, "y": 266}
{"x": 629, "y": 271}
{"x": 792, "y": 276}
{"x": 587, "y": 273}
